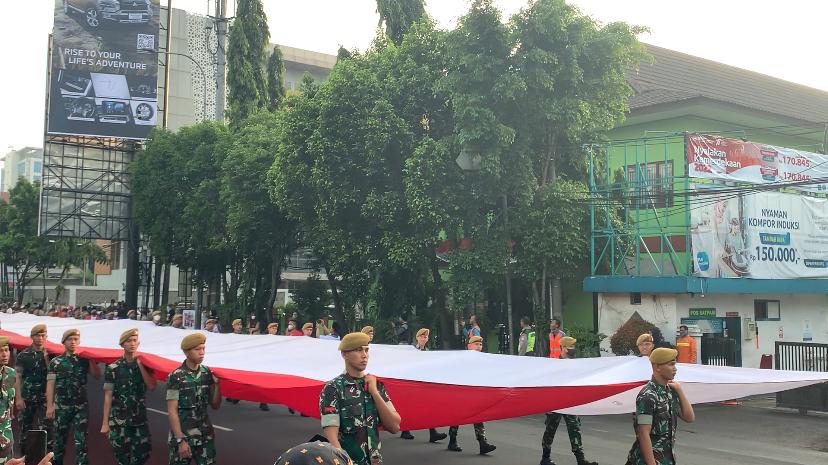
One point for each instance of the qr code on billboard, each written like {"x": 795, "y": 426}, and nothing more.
{"x": 146, "y": 42}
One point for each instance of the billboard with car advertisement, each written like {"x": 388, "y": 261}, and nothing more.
{"x": 104, "y": 68}
{"x": 720, "y": 158}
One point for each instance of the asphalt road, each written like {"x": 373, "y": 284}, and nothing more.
{"x": 749, "y": 434}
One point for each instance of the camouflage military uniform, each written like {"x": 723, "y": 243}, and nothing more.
{"x": 7, "y": 380}
{"x": 70, "y": 373}
{"x": 479, "y": 432}
{"x": 128, "y": 430}
{"x": 346, "y": 403}
{"x": 192, "y": 390}
{"x": 658, "y": 406}
{"x": 32, "y": 366}
{"x": 573, "y": 427}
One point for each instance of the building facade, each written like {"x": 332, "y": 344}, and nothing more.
{"x": 24, "y": 163}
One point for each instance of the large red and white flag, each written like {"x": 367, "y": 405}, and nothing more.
{"x": 429, "y": 389}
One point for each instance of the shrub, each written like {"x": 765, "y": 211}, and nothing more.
{"x": 589, "y": 343}
{"x": 623, "y": 341}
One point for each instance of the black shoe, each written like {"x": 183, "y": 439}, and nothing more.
{"x": 485, "y": 448}
{"x": 435, "y": 436}
{"x": 264, "y": 407}
{"x": 291, "y": 411}
{"x": 546, "y": 461}
{"x": 454, "y": 447}
{"x": 582, "y": 460}
{"x": 229, "y": 400}
{"x": 407, "y": 435}
{"x": 235, "y": 401}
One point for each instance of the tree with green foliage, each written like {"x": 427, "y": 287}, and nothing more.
{"x": 275, "y": 79}
{"x": 247, "y": 45}
{"x": 398, "y": 15}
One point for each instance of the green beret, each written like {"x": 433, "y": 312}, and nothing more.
{"x": 663, "y": 355}
{"x": 568, "y": 342}
{"x": 192, "y": 341}
{"x": 422, "y": 331}
{"x": 367, "y": 329}
{"x": 354, "y": 341}
{"x": 127, "y": 334}
{"x": 646, "y": 337}
{"x": 4, "y": 341}
{"x": 37, "y": 329}
{"x": 474, "y": 339}
{"x": 69, "y": 333}
{"x": 237, "y": 320}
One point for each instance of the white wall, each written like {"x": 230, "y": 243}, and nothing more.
{"x": 667, "y": 310}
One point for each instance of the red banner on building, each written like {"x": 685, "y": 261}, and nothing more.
{"x": 714, "y": 157}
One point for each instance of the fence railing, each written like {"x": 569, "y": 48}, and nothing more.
{"x": 803, "y": 356}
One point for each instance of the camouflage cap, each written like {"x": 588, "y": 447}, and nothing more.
{"x": 423, "y": 331}
{"x": 475, "y": 339}
{"x": 37, "y": 329}
{"x": 367, "y": 329}
{"x": 69, "y": 333}
{"x": 353, "y": 341}
{"x": 127, "y": 334}
{"x": 568, "y": 342}
{"x": 663, "y": 355}
{"x": 192, "y": 341}
{"x": 4, "y": 341}
{"x": 646, "y": 337}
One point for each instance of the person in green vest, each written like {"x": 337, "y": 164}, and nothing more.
{"x": 526, "y": 341}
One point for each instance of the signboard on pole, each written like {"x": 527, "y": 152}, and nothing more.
{"x": 713, "y": 157}
{"x": 764, "y": 235}
{"x": 104, "y": 68}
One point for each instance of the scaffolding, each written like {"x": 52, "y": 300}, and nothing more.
{"x": 640, "y": 227}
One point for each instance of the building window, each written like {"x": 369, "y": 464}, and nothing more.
{"x": 766, "y": 310}
{"x": 635, "y": 298}
{"x": 651, "y": 184}
{"x": 37, "y": 166}
{"x": 21, "y": 169}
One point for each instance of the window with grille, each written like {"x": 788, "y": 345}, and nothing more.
{"x": 651, "y": 184}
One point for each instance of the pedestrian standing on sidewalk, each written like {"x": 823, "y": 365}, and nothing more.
{"x": 573, "y": 423}
{"x": 422, "y": 344}
{"x": 555, "y": 336}
{"x": 526, "y": 340}
{"x": 125, "y": 425}
{"x": 657, "y": 409}
{"x": 475, "y": 343}
{"x": 686, "y": 346}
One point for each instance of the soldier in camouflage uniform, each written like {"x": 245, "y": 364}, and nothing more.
{"x": 190, "y": 389}
{"x": 657, "y": 408}
{"x": 7, "y": 390}
{"x": 31, "y": 366}
{"x": 421, "y": 343}
{"x": 475, "y": 343}
{"x": 354, "y": 405}
{"x": 126, "y": 381}
{"x": 573, "y": 423}
{"x": 66, "y": 401}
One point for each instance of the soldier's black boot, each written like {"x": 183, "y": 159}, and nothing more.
{"x": 434, "y": 436}
{"x": 407, "y": 435}
{"x": 485, "y": 447}
{"x": 545, "y": 460}
{"x": 264, "y": 407}
{"x": 453, "y": 445}
{"x": 579, "y": 456}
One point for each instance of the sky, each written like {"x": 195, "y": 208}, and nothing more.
{"x": 783, "y": 40}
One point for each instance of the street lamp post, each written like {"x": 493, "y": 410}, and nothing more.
{"x": 468, "y": 161}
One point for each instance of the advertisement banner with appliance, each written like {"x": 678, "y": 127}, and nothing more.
{"x": 762, "y": 235}
{"x": 104, "y": 68}
{"x": 714, "y": 157}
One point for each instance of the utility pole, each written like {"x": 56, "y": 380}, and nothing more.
{"x": 221, "y": 59}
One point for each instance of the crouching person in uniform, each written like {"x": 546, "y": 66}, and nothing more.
{"x": 354, "y": 405}
{"x": 190, "y": 389}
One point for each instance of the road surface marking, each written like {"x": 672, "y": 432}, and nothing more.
{"x": 165, "y": 413}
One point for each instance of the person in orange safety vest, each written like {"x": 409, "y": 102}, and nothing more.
{"x": 686, "y": 346}
{"x": 555, "y": 336}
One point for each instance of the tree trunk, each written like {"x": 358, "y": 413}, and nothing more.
{"x": 275, "y": 280}
{"x": 339, "y": 311}
{"x": 439, "y": 303}
{"x": 156, "y": 284}
{"x": 165, "y": 289}
{"x": 43, "y": 273}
